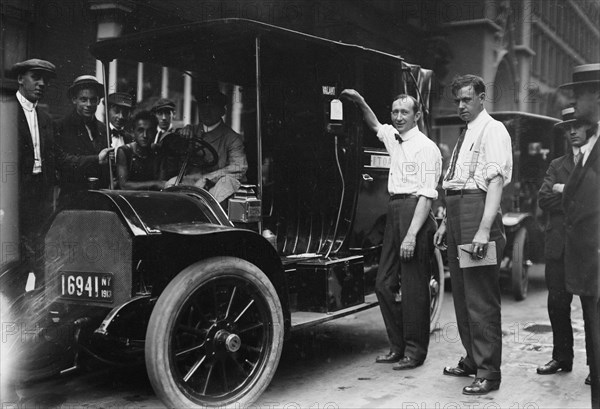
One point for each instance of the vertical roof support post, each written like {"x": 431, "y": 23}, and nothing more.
{"x": 259, "y": 183}
{"x": 107, "y": 122}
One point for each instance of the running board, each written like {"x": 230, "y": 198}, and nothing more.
{"x": 304, "y": 319}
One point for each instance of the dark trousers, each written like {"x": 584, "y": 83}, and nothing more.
{"x": 476, "y": 290}
{"x": 406, "y": 322}
{"x": 591, "y": 321}
{"x": 559, "y": 310}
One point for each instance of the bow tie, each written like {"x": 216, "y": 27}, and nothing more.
{"x": 117, "y": 133}
{"x": 398, "y": 138}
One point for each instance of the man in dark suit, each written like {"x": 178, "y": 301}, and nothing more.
{"x": 550, "y": 201}
{"x": 581, "y": 201}
{"x": 36, "y": 164}
{"x": 81, "y": 143}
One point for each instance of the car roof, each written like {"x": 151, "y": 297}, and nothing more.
{"x": 178, "y": 46}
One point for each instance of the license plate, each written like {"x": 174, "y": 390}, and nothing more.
{"x": 380, "y": 161}
{"x": 87, "y": 286}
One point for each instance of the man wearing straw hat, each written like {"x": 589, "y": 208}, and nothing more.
{"x": 82, "y": 148}
{"x": 550, "y": 201}
{"x": 581, "y": 201}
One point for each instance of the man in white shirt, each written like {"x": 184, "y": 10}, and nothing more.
{"x": 36, "y": 160}
{"x": 120, "y": 105}
{"x": 480, "y": 167}
{"x": 581, "y": 202}
{"x": 415, "y": 169}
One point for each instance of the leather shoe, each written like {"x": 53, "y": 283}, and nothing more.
{"x": 482, "y": 386}
{"x": 389, "y": 358}
{"x": 459, "y": 370}
{"x": 588, "y": 379}
{"x": 407, "y": 363}
{"x": 553, "y": 367}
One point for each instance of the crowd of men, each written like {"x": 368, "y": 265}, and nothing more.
{"x": 74, "y": 152}
{"x": 58, "y": 158}
{"x": 473, "y": 234}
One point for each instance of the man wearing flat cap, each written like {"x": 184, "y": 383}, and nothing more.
{"x": 36, "y": 160}
{"x": 550, "y": 201}
{"x": 581, "y": 202}
{"x": 120, "y": 105}
{"x": 164, "y": 110}
{"x": 82, "y": 149}
{"x": 224, "y": 178}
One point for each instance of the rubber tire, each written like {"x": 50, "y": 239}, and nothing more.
{"x": 162, "y": 321}
{"x": 437, "y": 271}
{"x": 519, "y": 268}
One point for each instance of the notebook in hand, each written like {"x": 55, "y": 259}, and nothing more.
{"x": 465, "y": 260}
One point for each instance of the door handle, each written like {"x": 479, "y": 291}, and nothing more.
{"x": 366, "y": 177}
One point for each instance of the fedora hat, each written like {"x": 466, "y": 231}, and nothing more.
{"x": 584, "y": 74}
{"x": 121, "y": 99}
{"x": 34, "y": 64}
{"x": 85, "y": 82}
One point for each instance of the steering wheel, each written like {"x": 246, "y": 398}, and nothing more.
{"x": 196, "y": 150}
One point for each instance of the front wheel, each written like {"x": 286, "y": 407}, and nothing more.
{"x": 215, "y": 335}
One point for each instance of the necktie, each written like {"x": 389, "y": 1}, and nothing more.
{"x": 398, "y": 138}
{"x": 577, "y": 157}
{"x": 459, "y": 143}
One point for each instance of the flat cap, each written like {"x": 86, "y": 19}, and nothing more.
{"x": 34, "y": 64}
{"x": 85, "y": 82}
{"x": 122, "y": 99}
{"x": 163, "y": 104}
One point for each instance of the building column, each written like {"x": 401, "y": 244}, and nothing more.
{"x": 110, "y": 17}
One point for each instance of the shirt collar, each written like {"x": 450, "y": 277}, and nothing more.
{"x": 25, "y": 103}
{"x": 576, "y": 149}
{"x": 212, "y": 127}
{"x": 482, "y": 118}
{"x": 410, "y": 133}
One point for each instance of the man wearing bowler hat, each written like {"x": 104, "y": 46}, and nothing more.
{"x": 36, "y": 162}
{"x": 81, "y": 144}
{"x": 222, "y": 179}
{"x": 164, "y": 110}
{"x": 581, "y": 202}
{"x": 120, "y": 105}
{"x": 550, "y": 201}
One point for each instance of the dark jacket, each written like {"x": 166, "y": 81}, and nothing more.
{"x": 77, "y": 155}
{"x": 551, "y": 203}
{"x": 36, "y": 192}
{"x": 581, "y": 201}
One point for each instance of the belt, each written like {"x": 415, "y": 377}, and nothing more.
{"x": 402, "y": 196}
{"x": 463, "y": 192}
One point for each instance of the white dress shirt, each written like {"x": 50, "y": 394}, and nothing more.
{"x": 587, "y": 148}
{"x": 32, "y": 122}
{"x": 416, "y": 163}
{"x": 495, "y": 155}
{"x": 116, "y": 141}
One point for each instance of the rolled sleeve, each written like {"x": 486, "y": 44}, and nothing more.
{"x": 498, "y": 154}
{"x": 429, "y": 160}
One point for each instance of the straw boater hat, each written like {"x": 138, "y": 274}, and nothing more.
{"x": 584, "y": 74}
{"x": 85, "y": 82}
{"x": 568, "y": 118}
{"x": 34, "y": 64}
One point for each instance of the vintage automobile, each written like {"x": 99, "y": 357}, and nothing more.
{"x": 208, "y": 298}
{"x": 535, "y": 143}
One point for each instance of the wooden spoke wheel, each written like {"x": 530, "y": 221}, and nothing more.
{"x": 215, "y": 335}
